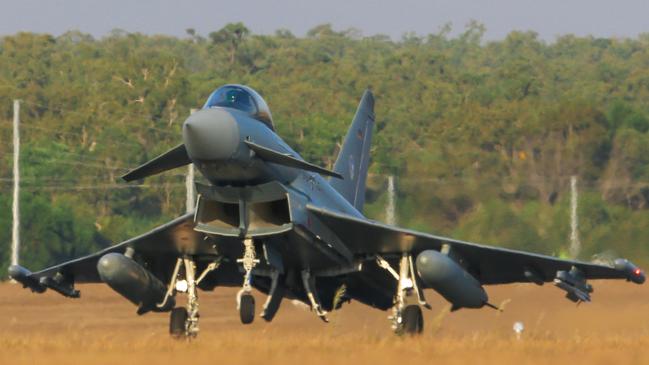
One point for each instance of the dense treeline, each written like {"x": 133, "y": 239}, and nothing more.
{"x": 482, "y": 136}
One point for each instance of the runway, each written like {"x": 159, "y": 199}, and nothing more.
{"x": 102, "y": 328}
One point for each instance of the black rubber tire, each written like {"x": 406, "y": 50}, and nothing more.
{"x": 247, "y": 308}
{"x": 177, "y": 320}
{"x": 413, "y": 320}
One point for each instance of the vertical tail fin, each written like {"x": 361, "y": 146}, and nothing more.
{"x": 354, "y": 157}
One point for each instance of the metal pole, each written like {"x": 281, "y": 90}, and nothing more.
{"x": 189, "y": 183}
{"x": 575, "y": 244}
{"x": 15, "y": 229}
{"x": 390, "y": 214}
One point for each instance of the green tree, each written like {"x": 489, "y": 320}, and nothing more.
{"x": 232, "y": 35}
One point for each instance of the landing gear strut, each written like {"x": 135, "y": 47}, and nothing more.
{"x": 183, "y": 322}
{"x": 407, "y": 318}
{"x": 245, "y": 300}
{"x": 309, "y": 286}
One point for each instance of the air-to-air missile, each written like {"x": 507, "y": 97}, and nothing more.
{"x": 440, "y": 272}
{"x": 58, "y": 282}
{"x": 575, "y": 285}
{"x": 23, "y": 276}
{"x": 578, "y": 290}
{"x": 134, "y": 283}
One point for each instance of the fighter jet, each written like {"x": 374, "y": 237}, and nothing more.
{"x": 272, "y": 221}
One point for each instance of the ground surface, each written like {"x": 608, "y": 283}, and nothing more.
{"x": 102, "y": 328}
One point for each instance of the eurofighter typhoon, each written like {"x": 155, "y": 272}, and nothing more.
{"x": 272, "y": 221}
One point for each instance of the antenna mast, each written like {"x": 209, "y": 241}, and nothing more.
{"x": 15, "y": 231}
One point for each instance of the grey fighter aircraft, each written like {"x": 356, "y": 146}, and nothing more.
{"x": 270, "y": 220}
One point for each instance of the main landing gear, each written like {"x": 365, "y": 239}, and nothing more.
{"x": 183, "y": 322}
{"x": 407, "y": 317}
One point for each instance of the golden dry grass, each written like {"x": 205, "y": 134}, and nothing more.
{"x": 102, "y": 328}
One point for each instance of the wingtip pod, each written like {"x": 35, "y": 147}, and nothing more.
{"x": 24, "y": 276}
{"x": 633, "y": 273}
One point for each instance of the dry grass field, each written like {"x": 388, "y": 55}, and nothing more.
{"x": 102, "y": 328}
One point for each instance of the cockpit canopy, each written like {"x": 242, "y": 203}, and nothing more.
{"x": 242, "y": 98}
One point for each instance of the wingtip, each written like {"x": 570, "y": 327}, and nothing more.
{"x": 630, "y": 270}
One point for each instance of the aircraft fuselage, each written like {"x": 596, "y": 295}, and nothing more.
{"x": 252, "y": 198}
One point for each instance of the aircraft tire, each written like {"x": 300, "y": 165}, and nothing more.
{"x": 413, "y": 321}
{"x": 247, "y": 309}
{"x": 177, "y": 321}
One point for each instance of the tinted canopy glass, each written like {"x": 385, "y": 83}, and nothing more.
{"x": 242, "y": 98}
{"x": 232, "y": 97}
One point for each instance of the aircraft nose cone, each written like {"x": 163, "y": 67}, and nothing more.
{"x": 211, "y": 134}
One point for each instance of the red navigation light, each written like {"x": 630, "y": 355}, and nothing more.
{"x": 637, "y": 271}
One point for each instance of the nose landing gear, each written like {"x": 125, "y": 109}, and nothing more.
{"x": 245, "y": 300}
{"x": 246, "y": 308}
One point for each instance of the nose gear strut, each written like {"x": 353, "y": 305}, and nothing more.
{"x": 245, "y": 300}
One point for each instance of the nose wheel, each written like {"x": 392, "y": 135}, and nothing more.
{"x": 246, "y": 308}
